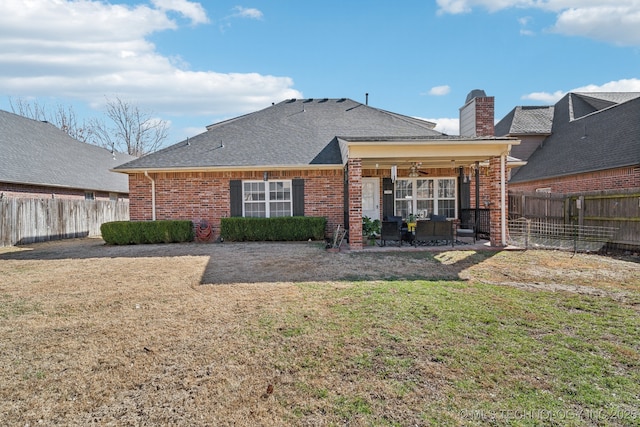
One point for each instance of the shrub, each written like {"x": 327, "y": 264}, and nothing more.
{"x": 139, "y": 232}
{"x": 291, "y": 228}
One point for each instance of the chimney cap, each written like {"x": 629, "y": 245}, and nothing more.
{"x": 476, "y": 93}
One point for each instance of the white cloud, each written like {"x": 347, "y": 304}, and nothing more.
{"x": 445, "y": 125}
{"x": 439, "y": 90}
{"x": 624, "y": 85}
{"x": 546, "y": 97}
{"x": 88, "y": 49}
{"x": 617, "y": 23}
{"x": 244, "y": 12}
{"x": 194, "y": 11}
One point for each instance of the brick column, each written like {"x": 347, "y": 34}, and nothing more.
{"x": 495, "y": 197}
{"x": 354, "y": 175}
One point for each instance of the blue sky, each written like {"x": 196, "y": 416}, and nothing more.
{"x": 194, "y": 63}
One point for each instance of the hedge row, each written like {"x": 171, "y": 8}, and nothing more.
{"x": 291, "y": 228}
{"x": 139, "y": 232}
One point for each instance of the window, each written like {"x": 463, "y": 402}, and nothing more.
{"x": 113, "y": 197}
{"x": 266, "y": 199}
{"x": 89, "y": 195}
{"x": 421, "y": 197}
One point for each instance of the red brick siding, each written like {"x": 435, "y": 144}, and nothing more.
{"x": 196, "y": 196}
{"x": 354, "y": 168}
{"x": 495, "y": 196}
{"x": 38, "y": 192}
{"x": 611, "y": 179}
{"x": 485, "y": 186}
{"x": 485, "y": 116}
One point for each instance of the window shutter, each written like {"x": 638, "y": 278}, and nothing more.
{"x": 387, "y": 198}
{"x": 298, "y": 196}
{"x": 235, "y": 197}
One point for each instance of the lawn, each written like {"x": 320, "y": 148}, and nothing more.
{"x": 164, "y": 335}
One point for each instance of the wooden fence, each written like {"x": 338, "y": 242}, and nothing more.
{"x": 618, "y": 211}
{"x": 24, "y": 221}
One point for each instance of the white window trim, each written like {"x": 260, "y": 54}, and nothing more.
{"x": 266, "y": 200}
{"x": 435, "y": 188}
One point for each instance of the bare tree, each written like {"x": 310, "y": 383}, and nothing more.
{"x": 64, "y": 118}
{"x": 126, "y": 129}
{"x": 132, "y": 130}
{"x": 32, "y": 110}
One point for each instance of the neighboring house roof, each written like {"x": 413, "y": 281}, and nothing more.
{"x": 590, "y": 132}
{"x": 38, "y": 153}
{"x": 526, "y": 121}
{"x": 295, "y": 132}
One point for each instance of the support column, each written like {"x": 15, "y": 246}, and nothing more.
{"x": 354, "y": 175}
{"x": 497, "y": 197}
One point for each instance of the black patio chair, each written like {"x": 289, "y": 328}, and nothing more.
{"x": 391, "y": 230}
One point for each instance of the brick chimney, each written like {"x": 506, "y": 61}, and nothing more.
{"x": 477, "y": 115}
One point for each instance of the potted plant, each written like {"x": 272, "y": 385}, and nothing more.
{"x": 370, "y": 229}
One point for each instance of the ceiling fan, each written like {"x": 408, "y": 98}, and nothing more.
{"x": 414, "y": 170}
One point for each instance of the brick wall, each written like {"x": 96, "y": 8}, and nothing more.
{"x": 611, "y": 179}
{"x": 485, "y": 116}
{"x": 485, "y": 186}
{"x": 41, "y": 192}
{"x": 196, "y": 196}
{"x": 354, "y": 168}
{"x": 495, "y": 207}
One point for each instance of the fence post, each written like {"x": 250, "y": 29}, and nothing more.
{"x": 567, "y": 210}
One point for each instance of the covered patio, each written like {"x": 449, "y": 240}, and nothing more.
{"x": 438, "y": 158}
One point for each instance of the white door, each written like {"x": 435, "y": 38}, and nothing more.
{"x": 371, "y": 197}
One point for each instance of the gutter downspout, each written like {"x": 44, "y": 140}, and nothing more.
{"x": 153, "y": 195}
{"x": 503, "y": 200}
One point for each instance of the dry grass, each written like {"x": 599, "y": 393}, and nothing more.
{"x": 284, "y": 334}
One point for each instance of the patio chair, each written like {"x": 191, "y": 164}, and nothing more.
{"x": 430, "y": 231}
{"x": 467, "y": 230}
{"x": 391, "y": 230}
{"x": 406, "y": 235}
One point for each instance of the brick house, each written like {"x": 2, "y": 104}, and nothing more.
{"x": 335, "y": 158}
{"x": 585, "y": 142}
{"x": 39, "y": 160}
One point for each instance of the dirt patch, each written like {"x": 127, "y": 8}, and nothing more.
{"x": 257, "y": 262}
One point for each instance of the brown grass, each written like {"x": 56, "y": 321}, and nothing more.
{"x": 130, "y": 336}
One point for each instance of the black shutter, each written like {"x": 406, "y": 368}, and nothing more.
{"x": 235, "y": 197}
{"x": 297, "y": 196}
{"x": 387, "y": 198}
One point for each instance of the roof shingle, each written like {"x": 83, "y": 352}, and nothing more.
{"x": 38, "y": 153}
{"x": 295, "y": 132}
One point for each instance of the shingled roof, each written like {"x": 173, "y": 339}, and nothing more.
{"x": 38, "y": 153}
{"x": 295, "y": 132}
{"x": 524, "y": 120}
{"x": 590, "y": 132}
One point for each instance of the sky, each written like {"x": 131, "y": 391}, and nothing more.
{"x": 195, "y": 63}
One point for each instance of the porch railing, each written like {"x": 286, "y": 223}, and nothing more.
{"x": 468, "y": 217}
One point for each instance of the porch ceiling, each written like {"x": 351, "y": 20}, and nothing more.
{"x": 429, "y": 153}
